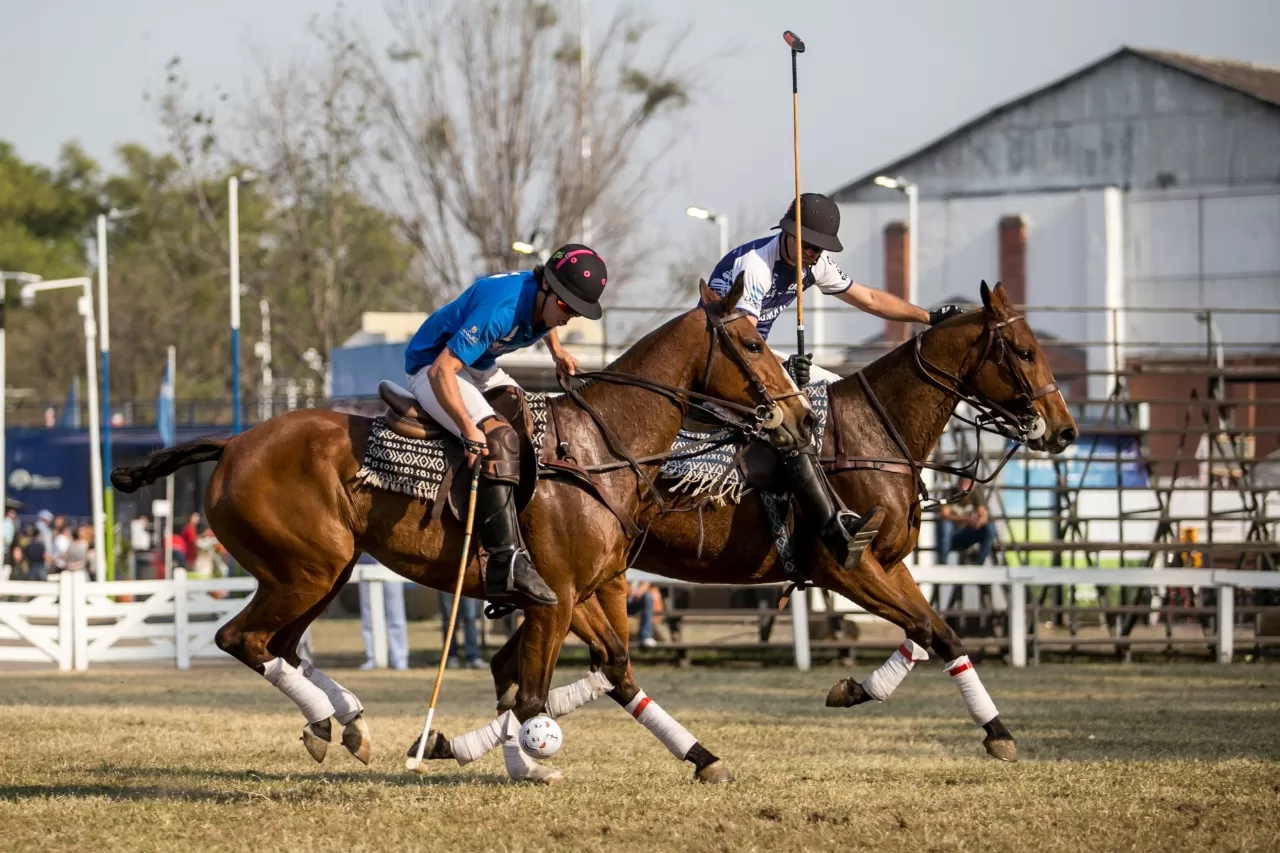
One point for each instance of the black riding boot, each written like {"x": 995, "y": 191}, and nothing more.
{"x": 845, "y": 534}
{"x": 509, "y": 572}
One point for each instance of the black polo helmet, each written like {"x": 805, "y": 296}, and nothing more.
{"x": 819, "y": 222}
{"x": 577, "y": 275}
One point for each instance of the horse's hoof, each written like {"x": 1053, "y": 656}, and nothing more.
{"x": 357, "y": 739}
{"x": 507, "y": 701}
{"x": 716, "y": 771}
{"x": 543, "y": 775}
{"x": 846, "y": 693}
{"x": 316, "y": 737}
{"x": 437, "y": 747}
{"x": 1002, "y": 748}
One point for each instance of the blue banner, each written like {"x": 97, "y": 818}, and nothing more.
{"x": 164, "y": 409}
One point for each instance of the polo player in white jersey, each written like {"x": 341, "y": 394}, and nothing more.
{"x": 768, "y": 270}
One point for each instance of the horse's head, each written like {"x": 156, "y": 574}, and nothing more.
{"x": 749, "y": 373}
{"x": 1012, "y": 372}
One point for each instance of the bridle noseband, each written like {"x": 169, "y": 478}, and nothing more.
{"x": 1017, "y": 426}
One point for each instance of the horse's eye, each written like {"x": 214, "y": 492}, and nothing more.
{"x": 753, "y": 346}
{"x": 1026, "y": 355}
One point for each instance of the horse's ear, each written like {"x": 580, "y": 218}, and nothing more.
{"x": 734, "y": 294}
{"x": 986, "y": 295}
{"x": 709, "y": 296}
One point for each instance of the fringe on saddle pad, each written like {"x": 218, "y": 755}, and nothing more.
{"x": 417, "y": 467}
{"x": 409, "y": 466}
{"x": 712, "y": 472}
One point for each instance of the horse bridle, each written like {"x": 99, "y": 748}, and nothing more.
{"x": 1019, "y": 427}
{"x": 751, "y": 421}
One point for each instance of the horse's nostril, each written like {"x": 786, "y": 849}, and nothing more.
{"x": 1068, "y": 436}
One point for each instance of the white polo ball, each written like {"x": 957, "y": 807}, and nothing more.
{"x": 541, "y": 737}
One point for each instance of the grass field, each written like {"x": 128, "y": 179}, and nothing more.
{"x": 1176, "y": 757}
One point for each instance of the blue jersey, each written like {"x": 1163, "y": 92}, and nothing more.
{"x": 769, "y": 281}
{"x": 492, "y": 317}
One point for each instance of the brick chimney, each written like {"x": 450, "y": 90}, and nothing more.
{"x": 897, "y": 266}
{"x": 1013, "y": 257}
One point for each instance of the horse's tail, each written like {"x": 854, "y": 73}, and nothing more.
{"x": 165, "y": 462}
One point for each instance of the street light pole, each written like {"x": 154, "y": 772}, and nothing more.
{"x": 264, "y": 353}
{"x": 912, "y": 192}
{"x": 719, "y": 219}
{"x": 233, "y": 194}
{"x": 24, "y": 278}
{"x": 29, "y": 292}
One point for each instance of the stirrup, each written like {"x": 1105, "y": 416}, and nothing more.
{"x": 497, "y": 610}
{"x": 864, "y": 530}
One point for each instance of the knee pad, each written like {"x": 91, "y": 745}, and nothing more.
{"x": 503, "y": 462}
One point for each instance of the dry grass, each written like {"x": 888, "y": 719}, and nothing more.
{"x": 1113, "y": 758}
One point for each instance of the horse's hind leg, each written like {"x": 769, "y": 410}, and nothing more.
{"x": 246, "y": 637}
{"x": 611, "y": 629}
{"x": 347, "y": 707}
{"x": 999, "y": 742}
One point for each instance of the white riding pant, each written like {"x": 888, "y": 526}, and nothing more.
{"x": 472, "y": 384}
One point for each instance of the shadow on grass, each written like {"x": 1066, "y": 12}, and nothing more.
{"x": 120, "y": 783}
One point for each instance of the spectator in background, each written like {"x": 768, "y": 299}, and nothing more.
{"x": 190, "y": 541}
{"x": 644, "y": 599}
{"x": 10, "y": 528}
{"x": 79, "y": 550}
{"x": 36, "y": 555}
{"x": 44, "y": 522}
{"x": 397, "y": 626}
{"x": 61, "y": 543}
{"x": 468, "y": 620}
{"x": 964, "y": 524}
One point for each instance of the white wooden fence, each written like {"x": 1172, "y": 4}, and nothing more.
{"x": 72, "y": 621}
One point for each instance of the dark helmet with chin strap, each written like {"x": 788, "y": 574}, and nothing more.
{"x": 819, "y": 222}
{"x": 578, "y": 276}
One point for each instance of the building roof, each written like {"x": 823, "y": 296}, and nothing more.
{"x": 1260, "y": 82}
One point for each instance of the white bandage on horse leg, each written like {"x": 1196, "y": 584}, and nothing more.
{"x": 977, "y": 701}
{"x": 346, "y": 706}
{"x": 649, "y": 714}
{"x": 522, "y": 768}
{"x": 881, "y": 683}
{"x": 310, "y": 699}
{"x": 476, "y": 744}
{"x": 571, "y": 697}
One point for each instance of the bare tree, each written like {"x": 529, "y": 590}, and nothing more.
{"x": 480, "y": 115}
{"x": 330, "y": 255}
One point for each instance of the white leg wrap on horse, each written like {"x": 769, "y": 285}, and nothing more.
{"x": 476, "y": 744}
{"x": 522, "y": 768}
{"x": 571, "y": 697}
{"x": 881, "y": 683}
{"x": 310, "y": 699}
{"x": 346, "y": 706}
{"x": 649, "y": 714}
{"x": 977, "y": 701}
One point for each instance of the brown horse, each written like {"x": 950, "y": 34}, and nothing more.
{"x": 286, "y": 501}
{"x": 880, "y": 429}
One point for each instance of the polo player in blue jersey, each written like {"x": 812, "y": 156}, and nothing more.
{"x": 450, "y": 363}
{"x": 768, "y": 269}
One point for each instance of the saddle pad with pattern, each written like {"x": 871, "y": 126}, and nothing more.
{"x": 410, "y": 466}
{"x": 417, "y": 467}
{"x": 711, "y": 471}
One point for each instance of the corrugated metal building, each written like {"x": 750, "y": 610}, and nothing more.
{"x": 1146, "y": 180}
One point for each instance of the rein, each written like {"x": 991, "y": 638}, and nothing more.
{"x": 992, "y": 416}
{"x": 749, "y": 421}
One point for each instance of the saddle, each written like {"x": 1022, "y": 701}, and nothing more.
{"x": 406, "y": 418}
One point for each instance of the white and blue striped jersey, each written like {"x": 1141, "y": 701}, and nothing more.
{"x": 769, "y": 283}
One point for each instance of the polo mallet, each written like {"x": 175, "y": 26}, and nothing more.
{"x": 797, "y": 47}
{"x": 416, "y": 764}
